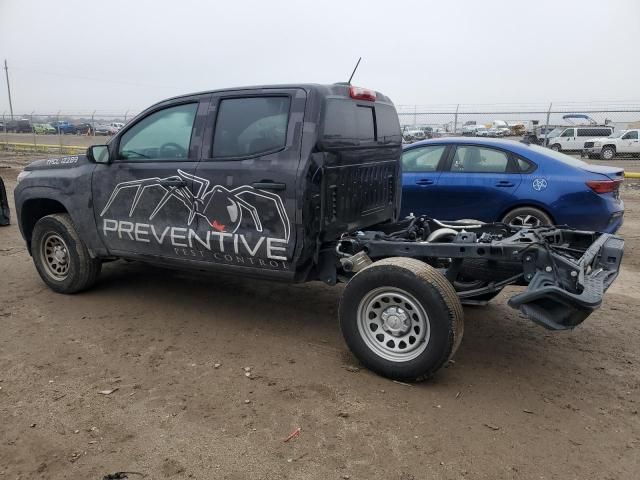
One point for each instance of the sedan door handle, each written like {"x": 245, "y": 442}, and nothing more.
{"x": 268, "y": 185}
{"x": 504, "y": 183}
{"x": 424, "y": 181}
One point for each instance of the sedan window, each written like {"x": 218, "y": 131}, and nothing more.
{"x": 424, "y": 159}
{"x": 470, "y": 159}
{"x": 163, "y": 135}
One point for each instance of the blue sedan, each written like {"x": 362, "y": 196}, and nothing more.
{"x": 506, "y": 181}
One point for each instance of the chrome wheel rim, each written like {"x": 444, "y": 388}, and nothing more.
{"x": 55, "y": 256}
{"x": 607, "y": 154}
{"x": 525, "y": 221}
{"x": 393, "y": 324}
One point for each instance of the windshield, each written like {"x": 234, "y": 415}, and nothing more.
{"x": 555, "y": 132}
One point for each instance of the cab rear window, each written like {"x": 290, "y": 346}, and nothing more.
{"x": 351, "y": 123}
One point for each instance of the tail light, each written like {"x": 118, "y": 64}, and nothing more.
{"x": 359, "y": 93}
{"x": 604, "y": 186}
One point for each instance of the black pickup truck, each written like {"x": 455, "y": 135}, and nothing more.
{"x": 301, "y": 183}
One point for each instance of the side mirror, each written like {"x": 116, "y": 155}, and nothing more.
{"x": 98, "y": 153}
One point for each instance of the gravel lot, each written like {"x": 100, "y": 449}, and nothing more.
{"x": 518, "y": 403}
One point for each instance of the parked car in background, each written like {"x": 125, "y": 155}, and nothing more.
{"x": 117, "y": 125}
{"x": 573, "y": 138}
{"x": 412, "y": 134}
{"x": 625, "y": 142}
{"x": 511, "y": 182}
{"x": 64, "y": 128}
{"x": 83, "y": 128}
{"x": 494, "y": 132}
{"x": 538, "y": 135}
{"x": 504, "y": 131}
{"x": 43, "y": 129}
{"x": 481, "y": 132}
{"x": 105, "y": 129}
{"x": 22, "y": 125}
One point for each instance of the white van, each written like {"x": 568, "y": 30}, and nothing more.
{"x": 573, "y": 138}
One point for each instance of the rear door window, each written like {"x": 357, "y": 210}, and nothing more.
{"x": 594, "y": 132}
{"x": 471, "y": 159}
{"x": 251, "y": 126}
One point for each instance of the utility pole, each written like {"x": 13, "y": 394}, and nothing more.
{"x": 6, "y": 73}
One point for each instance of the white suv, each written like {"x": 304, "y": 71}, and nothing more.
{"x": 624, "y": 142}
{"x": 573, "y": 138}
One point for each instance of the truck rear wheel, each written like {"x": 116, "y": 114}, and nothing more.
{"x": 60, "y": 256}
{"x": 401, "y": 318}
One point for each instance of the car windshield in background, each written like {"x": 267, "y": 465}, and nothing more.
{"x": 555, "y": 132}
{"x": 574, "y": 162}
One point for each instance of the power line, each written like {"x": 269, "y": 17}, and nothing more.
{"x": 92, "y": 79}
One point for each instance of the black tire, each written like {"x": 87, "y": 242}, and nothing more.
{"x": 75, "y": 270}
{"x": 607, "y": 153}
{"x": 556, "y": 147}
{"x": 527, "y": 216}
{"x": 435, "y": 301}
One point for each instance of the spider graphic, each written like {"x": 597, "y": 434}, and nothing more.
{"x": 221, "y": 207}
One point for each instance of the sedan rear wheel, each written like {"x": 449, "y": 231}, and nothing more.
{"x": 527, "y": 217}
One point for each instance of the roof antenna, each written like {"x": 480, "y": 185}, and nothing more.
{"x": 354, "y": 71}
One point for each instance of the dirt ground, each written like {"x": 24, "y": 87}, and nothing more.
{"x": 519, "y": 402}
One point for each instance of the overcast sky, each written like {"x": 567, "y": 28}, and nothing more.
{"x": 117, "y": 55}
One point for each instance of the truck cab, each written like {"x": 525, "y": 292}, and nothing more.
{"x": 245, "y": 180}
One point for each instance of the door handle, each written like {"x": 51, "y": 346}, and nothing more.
{"x": 504, "y": 183}
{"x": 269, "y": 185}
{"x": 424, "y": 181}
{"x": 177, "y": 183}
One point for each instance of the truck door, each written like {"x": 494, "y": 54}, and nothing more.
{"x": 629, "y": 142}
{"x": 479, "y": 183}
{"x": 143, "y": 198}
{"x": 246, "y": 182}
{"x": 568, "y": 140}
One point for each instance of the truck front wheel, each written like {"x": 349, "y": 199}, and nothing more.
{"x": 60, "y": 256}
{"x": 401, "y": 318}
{"x": 607, "y": 153}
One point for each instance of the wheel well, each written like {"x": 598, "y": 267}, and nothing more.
{"x": 609, "y": 145}
{"x": 527, "y": 205}
{"x": 33, "y": 210}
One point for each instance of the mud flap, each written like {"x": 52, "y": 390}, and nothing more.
{"x": 5, "y": 215}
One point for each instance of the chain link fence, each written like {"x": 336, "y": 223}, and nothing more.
{"x": 535, "y": 121}
{"x": 72, "y": 132}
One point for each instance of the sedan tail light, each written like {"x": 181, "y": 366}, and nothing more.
{"x": 604, "y": 186}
